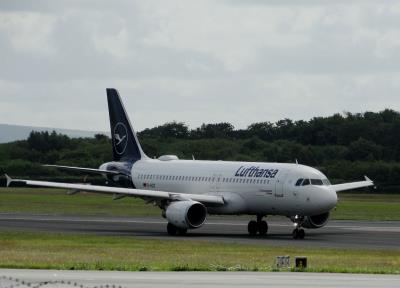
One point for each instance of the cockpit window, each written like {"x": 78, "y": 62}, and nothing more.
{"x": 316, "y": 182}
{"x": 326, "y": 182}
{"x": 298, "y": 183}
{"x": 306, "y": 182}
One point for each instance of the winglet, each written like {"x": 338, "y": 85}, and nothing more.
{"x": 9, "y": 180}
{"x": 367, "y": 179}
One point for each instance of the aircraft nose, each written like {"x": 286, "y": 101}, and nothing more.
{"x": 331, "y": 199}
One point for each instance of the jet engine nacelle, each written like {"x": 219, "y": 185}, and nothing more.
{"x": 186, "y": 214}
{"x": 316, "y": 221}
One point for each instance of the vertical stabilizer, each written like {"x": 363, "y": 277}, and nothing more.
{"x": 126, "y": 146}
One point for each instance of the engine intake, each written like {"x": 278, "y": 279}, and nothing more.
{"x": 316, "y": 221}
{"x": 186, "y": 214}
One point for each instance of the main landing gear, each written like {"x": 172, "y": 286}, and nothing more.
{"x": 173, "y": 230}
{"x": 260, "y": 226}
{"x": 298, "y": 232}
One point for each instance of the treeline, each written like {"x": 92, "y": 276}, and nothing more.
{"x": 378, "y": 134}
{"x": 345, "y": 147}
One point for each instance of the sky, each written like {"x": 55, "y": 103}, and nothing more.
{"x": 196, "y": 61}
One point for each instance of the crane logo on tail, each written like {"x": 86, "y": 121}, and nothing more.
{"x": 120, "y": 138}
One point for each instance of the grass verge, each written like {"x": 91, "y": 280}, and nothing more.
{"x": 85, "y": 252}
{"x": 56, "y": 201}
{"x": 372, "y": 207}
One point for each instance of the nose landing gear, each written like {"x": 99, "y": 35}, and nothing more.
{"x": 260, "y": 226}
{"x": 298, "y": 232}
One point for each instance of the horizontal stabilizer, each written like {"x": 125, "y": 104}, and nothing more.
{"x": 82, "y": 169}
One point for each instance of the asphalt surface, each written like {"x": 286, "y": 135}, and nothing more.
{"x": 54, "y": 278}
{"x": 337, "y": 234}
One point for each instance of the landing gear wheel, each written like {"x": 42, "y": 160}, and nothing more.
{"x": 263, "y": 228}
{"x": 298, "y": 234}
{"x": 172, "y": 229}
{"x": 252, "y": 227}
{"x": 301, "y": 234}
{"x": 295, "y": 233}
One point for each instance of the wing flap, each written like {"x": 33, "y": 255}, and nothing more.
{"x": 206, "y": 199}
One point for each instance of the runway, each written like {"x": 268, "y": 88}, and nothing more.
{"x": 337, "y": 234}
{"x": 86, "y": 279}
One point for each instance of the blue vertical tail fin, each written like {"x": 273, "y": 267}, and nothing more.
{"x": 126, "y": 146}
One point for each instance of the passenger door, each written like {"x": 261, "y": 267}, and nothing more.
{"x": 215, "y": 184}
{"x": 280, "y": 185}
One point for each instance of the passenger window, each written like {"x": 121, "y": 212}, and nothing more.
{"x": 306, "y": 182}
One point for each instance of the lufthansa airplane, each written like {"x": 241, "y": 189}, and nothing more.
{"x": 188, "y": 190}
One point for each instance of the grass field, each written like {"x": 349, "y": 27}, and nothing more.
{"x": 55, "y": 201}
{"x": 60, "y": 251}
{"x": 66, "y": 251}
{"x": 367, "y": 207}
{"x": 52, "y": 201}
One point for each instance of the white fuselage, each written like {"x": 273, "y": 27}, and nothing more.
{"x": 247, "y": 187}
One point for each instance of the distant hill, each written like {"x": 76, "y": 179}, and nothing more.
{"x": 9, "y": 133}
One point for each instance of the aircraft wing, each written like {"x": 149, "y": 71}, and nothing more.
{"x": 116, "y": 191}
{"x": 81, "y": 169}
{"x": 353, "y": 185}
